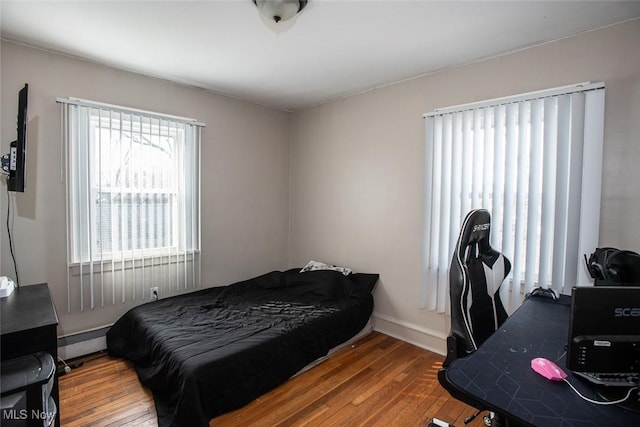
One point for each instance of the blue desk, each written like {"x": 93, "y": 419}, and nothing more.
{"x": 498, "y": 376}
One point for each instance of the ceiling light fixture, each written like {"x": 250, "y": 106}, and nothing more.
{"x": 280, "y": 10}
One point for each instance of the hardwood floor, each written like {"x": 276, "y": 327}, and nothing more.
{"x": 379, "y": 381}
{"x": 105, "y": 391}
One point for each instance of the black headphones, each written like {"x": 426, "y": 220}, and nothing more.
{"x": 600, "y": 264}
{"x": 597, "y": 262}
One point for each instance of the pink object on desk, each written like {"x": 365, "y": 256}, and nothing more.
{"x": 548, "y": 369}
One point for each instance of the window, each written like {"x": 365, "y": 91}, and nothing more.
{"x": 133, "y": 202}
{"x": 535, "y": 162}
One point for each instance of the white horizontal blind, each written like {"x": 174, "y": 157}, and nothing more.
{"x": 535, "y": 162}
{"x": 133, "y": 200}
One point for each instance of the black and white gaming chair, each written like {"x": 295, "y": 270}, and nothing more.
{"x": 475, "y": 276}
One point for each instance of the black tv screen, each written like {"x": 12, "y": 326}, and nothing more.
{"x": 18, "y": 148}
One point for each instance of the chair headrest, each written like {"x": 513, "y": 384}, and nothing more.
{"x": 476, "y": 229}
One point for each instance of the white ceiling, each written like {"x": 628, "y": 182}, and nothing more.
{"x": 332, "y": 49}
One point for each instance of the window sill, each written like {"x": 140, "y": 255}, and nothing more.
{"x": 129, "y": 263}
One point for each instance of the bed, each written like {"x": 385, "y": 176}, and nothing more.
{"x": 212, "y": 351}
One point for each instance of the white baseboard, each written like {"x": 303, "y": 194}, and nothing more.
{"x": 420, "y": 336}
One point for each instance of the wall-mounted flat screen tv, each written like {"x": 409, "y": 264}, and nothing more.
{"x": 18, "y": 148}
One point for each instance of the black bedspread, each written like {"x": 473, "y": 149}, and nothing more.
{"x": 215, "y": 350}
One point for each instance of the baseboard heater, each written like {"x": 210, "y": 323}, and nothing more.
{"x": 82, "y": 343}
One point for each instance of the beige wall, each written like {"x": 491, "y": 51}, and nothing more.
{"x": 341, "y": 182}
{"x": 245, "y": 173}
{"x": 357, "y": 164}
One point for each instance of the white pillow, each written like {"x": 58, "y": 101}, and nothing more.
{"x": 315, "y": 265}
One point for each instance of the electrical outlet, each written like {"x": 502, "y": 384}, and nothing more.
{"x": 154, "y": 292}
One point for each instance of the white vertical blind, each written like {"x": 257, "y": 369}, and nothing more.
{"x": 535, "y": 162}
{"x": 133, "y": 198}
